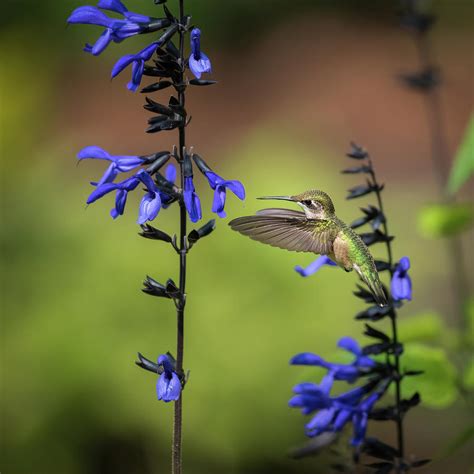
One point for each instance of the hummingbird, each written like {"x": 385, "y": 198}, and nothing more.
{"x": 316, "y": 230}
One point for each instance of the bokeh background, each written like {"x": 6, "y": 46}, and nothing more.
{"x": 297, "y": 82}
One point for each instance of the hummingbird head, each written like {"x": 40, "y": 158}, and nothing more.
{"x": 315, "y": 204}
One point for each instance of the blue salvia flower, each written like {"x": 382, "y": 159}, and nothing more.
{"x": 122, "y": 188}
{"x": 360, "y": 417}
{"x": 315, "y": 266}
{"x": 116, "y": 30}
{"x": 350, "y": 372}
{"x": 170, "y": 175}
{"x": 401, "y": 282}
{"x": 138, "y": 60}
{"x": 220, "y": 186}
{"x": 119, "y": 163}
{"x": 168, "y": 387}
{"x": 150, "y": 204}
{"x": 198, "y": 61}
{"x": 191, "y": 199}
{"x": 333, "y": 413}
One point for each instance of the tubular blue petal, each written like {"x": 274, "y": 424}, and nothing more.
{"x": 401, "y": 287}
{"x": 191, "y": 200}
{"x": 326, "y": 383}
{"x": 359, "y": 421}
{"x": 137, "y": 73}
{"x": 404, "y": 264}
{"x": 120, "y": 201}
{"x": 137, "y": 17}
{"x": 89, "y": 16}
{"x": 165, "y": 361}
{"x": 307, "y": 358}
{"x": 170, "y": 173}
{"x": 149, "y": 207}
{"x": 174, "y": 388}
{"x": 342, "y": 417}
{"x": 101, "y": 191}
{"x": 218, "y": 202}
{"x": 196, "y": 42}
{"x": 168, "y": 387}
{"x": 199, "y": 66}
{"x": 321, "y": 420}
{"x": 147, "y": 180}
{"x": 349, "y": 344}
{"x": 236, "y": 187}
{"x": 122, "y": 63}
{"x": 104, "y": 40}
{"x": 113, "y": 5}
{"x": 109, "y": 175}
{"x": 307, "y": 387}
{"x": 127, "y": 163}
{"x": 93, "y": 152}
{"x": 138, "y": 61}
{"x": 365, "y": 362}
{"x": 314, "y": 266}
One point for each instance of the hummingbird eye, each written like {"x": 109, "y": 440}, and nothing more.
{"x": 307, "y": 202}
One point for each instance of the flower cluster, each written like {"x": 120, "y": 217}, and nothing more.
{"x": 334, "y": 412}
{"x": 356, "y": 406}
{"x": 156, "y": 174}
{"x": 158, "y": 190}
{"x": 131, "y": 24}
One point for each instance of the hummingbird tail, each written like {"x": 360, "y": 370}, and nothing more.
{"x": 372, "y": 280}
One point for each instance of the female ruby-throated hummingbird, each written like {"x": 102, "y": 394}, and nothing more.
{"x": 317, "y": 230}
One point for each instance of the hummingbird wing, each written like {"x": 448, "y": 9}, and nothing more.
{"x": 287, "y": 229}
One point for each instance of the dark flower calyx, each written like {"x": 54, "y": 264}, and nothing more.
{"x": 149, "y": 365}
{"x": 203, "y": 231}
{"x": 152, "y": 287}
{"x": 357, "y": 152}
{"x": 375, "y": 237}
{"x": 375, "y": 313}
{"x": 362, "y": 190}
{"x": 202, "y": 82}
{"x": 375, "y": 333}
{"x": 150, "y": 232}
{"x": 423, "y": 81}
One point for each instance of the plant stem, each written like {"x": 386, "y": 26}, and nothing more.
{"x": 393, "y": 318}
{"x": 178, "y": 404}
{"x": 440, "y": 156}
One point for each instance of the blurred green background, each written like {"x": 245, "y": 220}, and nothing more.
{"x": 297, "y": 82}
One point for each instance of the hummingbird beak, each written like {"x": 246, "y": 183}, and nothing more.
{"x": 277, "y": 198}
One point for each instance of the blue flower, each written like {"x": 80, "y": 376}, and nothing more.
{"x": 122, "y": 188}
{"x": 220, "y": 186}
{"x": 360, "y": 417}
{"x": 333, "y": 413}
{"x": 401, "y": 281}
{"x": 119, "y": 164}
{"x": 191, "y": 200}
{"x": 115, "y": 30}
{"x": 170, "y": 175}
{"x": 198, "y": 61}
{"x": 349, "y": 372}
{"x": 315, "y": 266}
{"x": 138, "y": 66}
{"x": 168, "y": 387}
{"x": 150, "y": 204}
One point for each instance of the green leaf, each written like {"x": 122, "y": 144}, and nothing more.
{"x": 440, "y": 220}
{"x": 421, "y": 327}
{"x": 437, "y": 385}
{"x": 463, "y": 166}
{"x": 468, "y": 376}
